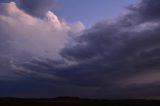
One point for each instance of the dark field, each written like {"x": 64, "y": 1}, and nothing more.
{"x": 75, "y": 102}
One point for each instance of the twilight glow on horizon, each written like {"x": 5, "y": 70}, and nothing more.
{"x": 80, "y": 48}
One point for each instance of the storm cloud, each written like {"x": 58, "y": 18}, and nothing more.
{"x": 24, "y": 37}
{"x": 120, "y": 53}
{"x": 118, "y": 58}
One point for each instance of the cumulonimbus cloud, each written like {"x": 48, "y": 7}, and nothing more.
{"x": 24, "y": 37}
{"x": 112, "y": 59}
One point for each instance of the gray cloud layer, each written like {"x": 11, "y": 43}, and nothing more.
{"x": 112, "y": 59}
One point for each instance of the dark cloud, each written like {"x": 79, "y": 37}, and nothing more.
{"x": 147, "y": 10}
{"x": 36, "y": 8}
{"x": 112, "y": 59}
{"x": 128, "y": 46}
{"x": 5, "y": 1}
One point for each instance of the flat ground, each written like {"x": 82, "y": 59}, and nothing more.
{"x": 75, "y": 102}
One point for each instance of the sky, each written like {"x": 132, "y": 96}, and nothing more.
{"x": 106, "y": 49}
{"x": 91, "y": 11}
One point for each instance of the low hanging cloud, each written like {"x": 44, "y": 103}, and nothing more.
{"x": 112, "y": 59}
{"x": 120, "y": 55}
